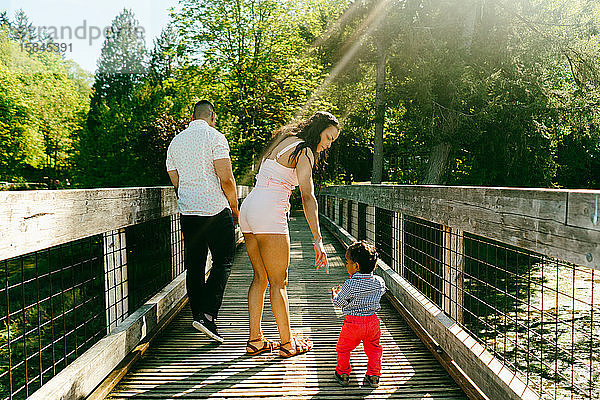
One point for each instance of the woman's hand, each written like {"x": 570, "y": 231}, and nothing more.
{"x": 321, "y": 256}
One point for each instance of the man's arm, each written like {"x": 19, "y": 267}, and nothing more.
{"x": 174, "y": 175}
{"x": 225, "y": 173}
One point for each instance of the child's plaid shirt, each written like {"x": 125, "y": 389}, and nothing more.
{"x": 360, "y": 294}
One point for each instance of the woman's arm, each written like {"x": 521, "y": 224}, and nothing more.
{"x": 309, "y": 203}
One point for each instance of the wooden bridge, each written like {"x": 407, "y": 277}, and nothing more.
{"x": 493, "y": 294}
{"x": 183, "y": 363}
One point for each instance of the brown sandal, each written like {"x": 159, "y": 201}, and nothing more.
{"x": 299, "y": 346}
{"x": 267, "y": 346}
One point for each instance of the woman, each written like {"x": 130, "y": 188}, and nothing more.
{"x": 288, "y": 162}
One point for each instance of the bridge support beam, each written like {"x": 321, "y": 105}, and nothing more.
{"x": 454, "y": 266}
{"x": 371, "y": 224}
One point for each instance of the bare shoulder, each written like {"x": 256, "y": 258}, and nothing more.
{"x": 276, "y": 145}
{"x": 283, "y": 143}
{"x": 307, "y": 151}
{"x": 288, "y": 140}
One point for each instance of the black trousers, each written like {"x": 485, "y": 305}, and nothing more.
{"x": 200, "y": 234}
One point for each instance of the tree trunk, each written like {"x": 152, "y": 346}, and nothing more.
{"x": 436, "y": 166}
{"x": 379, "y": 113}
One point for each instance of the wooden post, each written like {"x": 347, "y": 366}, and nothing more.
{"x": 176, "y": 246}
{"x": 340, "y": 216}
{"x": 354, "y": 219}
{"x": 116, "y": 290}
{"x": 398, "y": 243}
{"x": 453, "y": 264}
{"x": 345, "y": 214}
{"x": 371, "y": 224}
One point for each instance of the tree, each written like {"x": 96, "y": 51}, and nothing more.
{"x": 43, "y": 99}
{"x": 254, "y": 55}
{"x": 22, "y": 29}
{"x": 5, "y": 20}
{"x": 167, "y": 56}
{"x": 379, "y": 112}
{"x": 572, "y": 82}
{"x": 455, "y": 74}
{"x": 107, "y": 156}
{"x": 152, "y": 148}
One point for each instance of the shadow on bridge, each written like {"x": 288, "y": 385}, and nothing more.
{"x": 183, "y": 363}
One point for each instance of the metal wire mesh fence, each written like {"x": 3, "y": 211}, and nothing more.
{"x": 176, "y": 247}
{"x": 148, "y": 258}
{"x": 383, "y": 234}
{"x": 51, "y": 310}
{"x": 362, "y": 221}
{"x": 56, "y": 303}
{"x": 423, "y": 257}
{"x": 349, "y": 217}
{"x": 116, "y": 284}
{"x": 540, "y": 315}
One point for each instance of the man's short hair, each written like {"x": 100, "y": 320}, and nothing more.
{"x": 203, "y": 109}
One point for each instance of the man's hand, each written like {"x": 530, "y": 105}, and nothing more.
{"x": 235, "y": 213}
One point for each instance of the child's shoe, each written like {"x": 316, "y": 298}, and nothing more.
{"x": 342, "y": 379}
{"x": 371, "y": 380}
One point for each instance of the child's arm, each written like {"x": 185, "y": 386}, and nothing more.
{"x": 382, "y": 282}
{"x": 335, "y": 291}
{"x": 341, "y": 295}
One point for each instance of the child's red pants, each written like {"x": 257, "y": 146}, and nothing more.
{"x": 355, "y": 330}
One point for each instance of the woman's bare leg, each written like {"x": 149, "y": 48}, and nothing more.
{"x": 275, "y": 253}
{"x": 258, "y": 287}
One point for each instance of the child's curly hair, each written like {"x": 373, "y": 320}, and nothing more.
{"x": 364, "y": 254}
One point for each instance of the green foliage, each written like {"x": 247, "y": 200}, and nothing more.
{"x": 152, "y": 148}
{"x": 502, "y": 84}
{"x": 511, "y": 88}
{"x": 106, "y": 148}
{"x": 255, "y": 64}
{"x": 167, "y": 56}
{"x": 43, "y": 99}
{"x": 572, "y": 81}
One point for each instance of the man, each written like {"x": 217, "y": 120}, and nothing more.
{"x": 199, "y": 166}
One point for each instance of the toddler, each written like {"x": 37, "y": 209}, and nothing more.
{"x": 359, "y": 299}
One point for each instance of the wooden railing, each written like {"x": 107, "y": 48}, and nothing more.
{"x": 86, "y": 275}
{"x": 505, "y": 281}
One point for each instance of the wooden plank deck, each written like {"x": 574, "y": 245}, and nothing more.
{"x": 183, "y": 363}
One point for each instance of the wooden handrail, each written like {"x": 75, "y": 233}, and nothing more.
{"x": 559, "y": 223}
{"x": 39, "y": 219}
